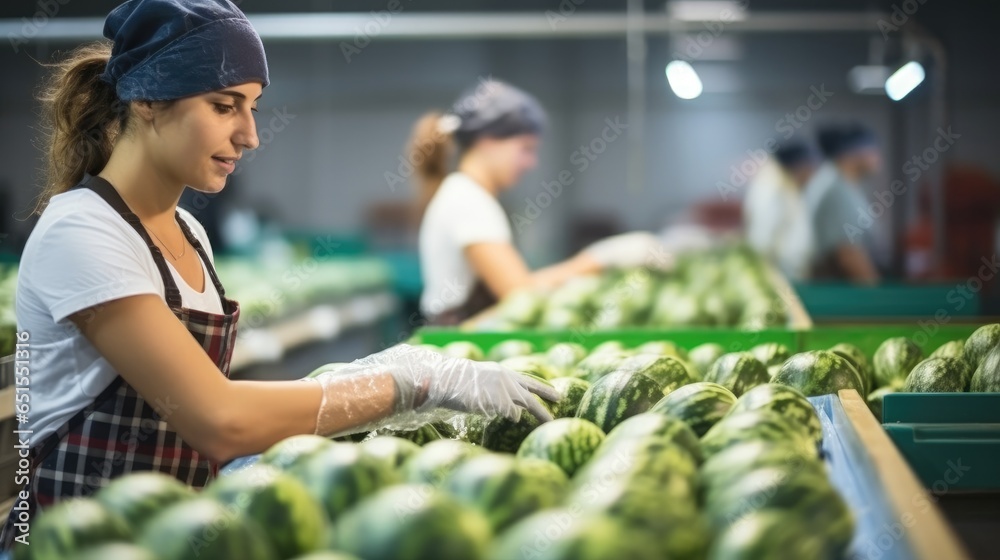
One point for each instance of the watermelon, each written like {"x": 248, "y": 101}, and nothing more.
{"x": 613, "y": 346}
{"x": 71, "y": 526}
{"x": 858, "y": 359}
{"x": 986, "y": 379}
{"x": 535, "y": 365}
{"x": 115, "y": 551}
{"x": 413, "y": 521}
{"x": 738, "y": 371}
{"x": 663, "y": 348}
{"x": 649, "y": 424}
{"x": 771, "y": 353}
{"x": 876, "y": 397}
{"x": 894, "y": 359}
{"x": 819, "y": 372}
{"x": 784, "y": 400}
{"x": 565, "y": 355}
{"x": 771, "y": 534}
{"x": 503, "y": 488}
{"x": 505, "y": 435}
{"x": 980, "y": 343}
{"x": 668, "y": 371}
{"x": 562, "y": 318}
{"x": 205, "y": 529}
{"x": 952, "y": 349}
{"x": 463, "y": 349}
{"x": 328, "y": 368}
{"x": 509, "y": 349}
{"x": 326, "y": 555}
{"x": 564, "y": 534}
{"x": 700, "y": 405}
{"x": 391, "y": 451}
{"x": 295, "y": 521}
{"x": 136, "y": 497}
{"x": 571, "y": 390}
{"x": 599, "y": 364}
{"x": 464, "y": 426}
{"x": 420, "y": 436}
{"x": 522, "y": 307}
{"x": 761, "y": 424}
{"x": 437, "y": 459}
{"x": 618, "y": 396}
{"x": 704, "y": 355}
{"x": 567, "y": 442}
{"x": 291, "y": 451}
{"x": 341, "y": 476}
{"x": 938, "y": 375}
{"x": 743, "y": 457}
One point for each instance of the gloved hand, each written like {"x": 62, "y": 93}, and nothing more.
{"x": 638, "y": 248}
{"x": 430, "y": 386}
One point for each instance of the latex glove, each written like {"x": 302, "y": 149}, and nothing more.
{"x": 430, "y": 386}
{"x": 638, "y": 248}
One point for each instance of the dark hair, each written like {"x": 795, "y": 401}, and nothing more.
{"x": 82, "y": 117}
{"x": 429, "y": 152}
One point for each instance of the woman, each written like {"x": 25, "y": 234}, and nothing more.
{"x": 467, "y": 256}
{"x": 130, "y": 329}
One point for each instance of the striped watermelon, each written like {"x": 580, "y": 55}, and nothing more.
{"x": 986, "y": 379}
{"x": 738, "y": 371}
{"x": 136, "y": 497}
{"x": 894, "y": 359}
{"x": 341, "y": 476}
{"x": 938, "y": 375}
{"x": 534, "y": 364}
{"x": 612, "y": 346}
{"x": 858, "y": 359}
{"x": 746, "y": 456}
{"x": 564, "y": 534}
{"x": 205, "y": 529}
{"x": 505, "y": 435}
{"x": 571, "y": 390}
{"x": 649, "y": 424}
{"x": 599, "y": 364}
{"x": 420, "y": 436}
{"x": 780, "y": 534}
{"x": 701, "y": 405}
{"x": 565, "y": 355}
{"x": 663, "y": 348}
{"x": 668, "y": 371}
{"x": 980, "y": 343}
{"x": 437, "y": 459}
{"x": 876, "y": 397}
{"x": 704, "y": 355}
{"x": 391, "y": 451}
{"x": 784, "y": 400}
{"x": 291, "y": 451}
{"x": 413, "y": 521}
{"x": 567, "y": 442}
{"x": 327, "y": 555}
{"x": 760, "y": 424}
{"x": 295, "y": 522}
{"x": 509, "y": 349}
{"x": 618, "y": 396}
{"x": 71, "y": 526}
{"x": 504, "y": 489}
{"x": 771, "y": 353}
{"x": 951, "y": 349}
{"x": 115, "y": 551}
{"x": 463, "y": 349}
{"x": 819, "y": 372}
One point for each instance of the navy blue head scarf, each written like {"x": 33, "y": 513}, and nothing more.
{"x": 168, "y": 49}
{"x": 497, "y": 110}
{"x": 836, "y": 140}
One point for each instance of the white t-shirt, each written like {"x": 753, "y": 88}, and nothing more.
{"x": 81, "y": 254}
{"x": 777, "y": 221}
{"x": 461, "y": 213}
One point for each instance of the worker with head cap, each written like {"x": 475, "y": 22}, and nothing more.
{"x": 777, "y": 222}
{"x": 836, "y": 203}
{"x": 468, "y": 260}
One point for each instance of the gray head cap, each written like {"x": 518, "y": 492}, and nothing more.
{"x": 494, "y": 109}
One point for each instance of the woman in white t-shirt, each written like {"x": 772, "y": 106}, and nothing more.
{"x": 467, "y": 256}
{"x": 129, "y": 329}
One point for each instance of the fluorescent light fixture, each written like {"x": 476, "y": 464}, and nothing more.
{"x": 904, "y": 80}
{"x": 868, "y": 80}
{"x": 707, "y": 10}
{"x": 683, "y": 80}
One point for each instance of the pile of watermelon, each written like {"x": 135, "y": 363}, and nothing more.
{"x": 722, "y": 287}
{"x": 647, "y": 458}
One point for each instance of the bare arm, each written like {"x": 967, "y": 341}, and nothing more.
{"x": 856, "y": 262}
{"x": 222, "y": 419}
{"x": 503, "y": 269}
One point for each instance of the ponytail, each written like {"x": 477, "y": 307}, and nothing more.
{"x": 429, "y": 151}
{"x": 82, "y": 117}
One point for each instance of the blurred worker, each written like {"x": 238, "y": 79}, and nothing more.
{"x": 838, "y": 207}
{"x": 467, "y": 256}
{"x": 777, "y": 221}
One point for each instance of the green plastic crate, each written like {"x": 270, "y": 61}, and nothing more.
{"x": 925, "y": 333}
{"x": 837, "y": 300}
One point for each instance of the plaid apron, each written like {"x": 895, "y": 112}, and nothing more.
{"x": 120, "y": 432}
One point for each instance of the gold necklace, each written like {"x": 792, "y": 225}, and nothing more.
{"x": 164, "y": 245}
